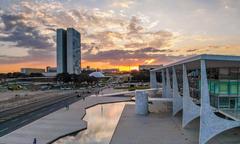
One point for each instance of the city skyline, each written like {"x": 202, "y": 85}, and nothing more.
{"x": 118, "y": 34}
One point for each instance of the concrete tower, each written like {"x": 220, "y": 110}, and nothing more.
{"x": 68, "y": 51}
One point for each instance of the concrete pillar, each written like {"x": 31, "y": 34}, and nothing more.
{"x": 141, "y": 102}
{"x": 190, "y": 109}
{"x": 177, "y": 99}
{"x": 168, "y": 85}
{"x": 210, "y": 124}
{"x": 163, "y": 84}
{"x": 153, "y": 79}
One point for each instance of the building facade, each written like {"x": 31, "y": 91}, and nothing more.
{"x": 51, "y": 69}
{"x": 28, "y": 71}
{"x": 204, "y": 86}
{"x": 148, "y": 67}
{"x": 68, "y": 51}
{"x": 113, "y": 70}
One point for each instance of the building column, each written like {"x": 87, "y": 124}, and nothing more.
{"x": 141, "y": 102}
{"x": 190, "y": 109}
{"x": 177, "y": 99}
{"x": 210, "y": 124}
{"x": 153, "y": 79}
{"x": 168, "y": 85}
{"x": 163, "y": 84}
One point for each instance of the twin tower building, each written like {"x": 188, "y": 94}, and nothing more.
{"x": 68, "y": 51}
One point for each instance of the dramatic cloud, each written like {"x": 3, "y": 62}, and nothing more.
{"x": 105, "y": 35}
{"x": 122, "y": 3}
{"x": 128, "y": 57}
{"x": 34, "y": 56}
{"x": 24, "y": 35}
{"x": 118, "y": 32}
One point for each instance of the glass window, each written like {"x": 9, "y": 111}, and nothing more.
{"x": 216, "y": 87}
{"x": 234, "y": 73}
{"x": 233, "y": 87}
{"x": 223, "y": 71}
{"x": 232, "y": 103}
{"x": 223, "y": 102}
{"x": 223, "y": 87}
{"x": 238, "y": 88}
{"x": 212, "y": 86}
{"x": 209, "y": 85}
{"x": 238, "y": 103}
{"x": 214, "y": 100}
{"x": 199, "y": 84}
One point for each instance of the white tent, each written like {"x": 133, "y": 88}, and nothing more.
{"x": 97, "y": 74}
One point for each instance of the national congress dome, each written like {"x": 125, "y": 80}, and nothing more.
{"x": 97, "y": 74}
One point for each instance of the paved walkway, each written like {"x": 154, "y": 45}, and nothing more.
{"x": 162, "y": 128}
{"x": 57, "y": 124}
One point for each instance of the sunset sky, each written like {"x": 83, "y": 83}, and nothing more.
{"x": 118, "y": 33}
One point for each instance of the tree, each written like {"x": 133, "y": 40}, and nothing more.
{"x": 92, "y": 79}
{"x": 76, "y": 79}
{"x": 36, "y": 75}
{"x": 64, "y": 77}
{"x": 140, "y": 76}
{"x": 14, "y": 75}
{"x": 87, "y": 71}
{"x": 3, "y": 76}
{"x": 84, "y": 77}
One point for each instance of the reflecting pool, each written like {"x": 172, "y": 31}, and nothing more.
{"x": 102, "y": 121}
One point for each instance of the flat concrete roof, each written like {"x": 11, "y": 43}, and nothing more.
{"x": 163, "y": 128}
{"x": 226, "y": 58}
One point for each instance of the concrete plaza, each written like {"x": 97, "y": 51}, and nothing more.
{"x": 58, "y": 124}
{"x": 160, "y": 127}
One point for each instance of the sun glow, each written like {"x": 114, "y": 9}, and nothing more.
{"x": 149, "y": 61}
{"x": 127, "y": 68}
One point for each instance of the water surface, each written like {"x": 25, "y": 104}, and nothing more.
{"x": 102, "y": 121}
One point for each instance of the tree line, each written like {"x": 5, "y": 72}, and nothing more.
{"x": 76, "y": 79}
{"x": 19, "y": 75}
{"x": 62, "y": 77}
{"x": 143, "y": 76}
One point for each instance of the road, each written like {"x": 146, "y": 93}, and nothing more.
{"x": 25, "y": 118}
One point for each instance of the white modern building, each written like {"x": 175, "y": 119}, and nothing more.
{"x": 68, "y": 51}
{"x": 51, "y": 69}
{"x": 204, "y": 86}
{"x": 148, "y": 67}
{"x": 97, "y": 74}
{"x": 32, "y": 70}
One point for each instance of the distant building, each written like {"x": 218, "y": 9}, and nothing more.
{"x": 149, "y": 67}
{"x": 113, "y": 70}
{"x": 28, "y": 71}
{"x": 97, "y": 74}
{"x": 50, "y": 74}
{"x": 88, "y": 68}
{"x": 51, "y": 69}
{"x": 68, "y": 51}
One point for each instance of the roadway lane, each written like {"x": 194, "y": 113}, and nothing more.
{"x": 24, "y": 119}
{"x": 31, "y": 106}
